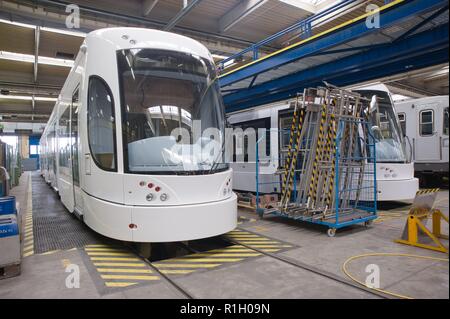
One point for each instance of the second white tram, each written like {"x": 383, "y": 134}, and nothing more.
{"x": 395, "y": 171}
{"x": 108, "y": 149}
{"x": 425, "y": 122}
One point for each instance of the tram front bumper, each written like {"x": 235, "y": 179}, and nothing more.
{"x": 161, "y": 223}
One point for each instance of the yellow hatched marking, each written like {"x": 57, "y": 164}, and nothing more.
{"x": 125, "y": 270}
{"x": 120, "y": 284}
{"x": 114, "y": 259}
{"x": 176, "y": 272}
{"x": 251, "y": 239}
{"x": 168, "y": 265}
{"x": 208, "y": 254}
{"x": 108, "y": 254}
{"x": 26, "y": 248}
{"x": 106, "y": 250}
{"x": 259, "y": 242}
{"x": 208, "y": 260}
{"x": 244, "y": 236}
{"x": 29, "y": 253}
{"x": 269, "y": 246}
{"x": 240, "y": 250}
{"x": 119, "y": 264}
{"x": 100, "y": 246}
{"x": 50, "y": 252}
{"x": 130, "y": 277}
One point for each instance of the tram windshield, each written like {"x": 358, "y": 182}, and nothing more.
{"x": 385, "y": 128}
{"x": 172, "y": 113}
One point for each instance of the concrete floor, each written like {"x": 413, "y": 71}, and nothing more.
{"x": 44, "y": 276}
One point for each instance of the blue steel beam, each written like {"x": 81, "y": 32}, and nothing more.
{"x": 415, "y": 63}
{"x": 416, "y": 45}
{"x": 389, "y": 17}
{"x": 426, "y": 40}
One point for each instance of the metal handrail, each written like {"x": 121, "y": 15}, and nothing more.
{"x": 302, "y": 24}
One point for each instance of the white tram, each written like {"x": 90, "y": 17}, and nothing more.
{"x": 395, "y": 171}
{"x": 108, "y": 148}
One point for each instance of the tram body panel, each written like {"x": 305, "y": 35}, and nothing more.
{"x": 177, "y": 190}
{"x": 101, "y": 175}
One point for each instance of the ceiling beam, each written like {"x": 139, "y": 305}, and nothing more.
{"x": 238, "y": 13}
{"x": 37, "y": 36}
{"x": 51, "y": 13}
{"x": 181, "y": 14}
{"x": 147, "y": 6}
{"x": 311, "y": 8}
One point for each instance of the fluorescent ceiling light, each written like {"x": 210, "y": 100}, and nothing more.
{"x": 30, "y": 58}
{"x": 54, "y": 30}
{"x": 28, "y": 98}
{"x": 228, "y": 63}
{"x": 218, "y": 56}
{"x": 66, "y": 32}
{"x": 24, "y": 25}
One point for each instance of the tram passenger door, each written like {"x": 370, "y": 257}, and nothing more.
{"x": 427, "y": 146}
{"x": 75, "y": 142}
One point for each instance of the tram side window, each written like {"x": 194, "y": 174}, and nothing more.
{"x": 63, "y": 136}
{"x": 263, "y": 123}
{"x": 446, "y": 121}
{"x": 426, "y": 125}
{"x": 101, "y": 124}
{"x": 402, "y": 120}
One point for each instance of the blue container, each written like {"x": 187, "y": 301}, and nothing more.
{"x": 7, "y": 205}
{"x": 8, "y": 226}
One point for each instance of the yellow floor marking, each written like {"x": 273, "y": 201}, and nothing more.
{"x": 130, "y": 277}
{"x": 250, "y": 239}
{"x": 115, "y": 259}
{"x": 168, "y": 265}
{"x": 65, "y": 262}
{"x": 208, "y": 260}
{"x": 237, "y": 250}
{"x": 28, "y": 229}
{"x": 50, "y": 252}
{"x": 106, "y": 250}
{"x": 125, "y": 270}
{"x": 256, "y": 242}
{"x": 176, "y": 272}
{"x": 120, "y": 284}
{"x": 244, "y": 237}
{"x": 108, "y": 254}
{"x": 101, "y": 246}
{"x": 208, "y": 254}
{"x": 120, "y": 264}
{"x": 28, "y": 247}
{"x": 268, "y": 246}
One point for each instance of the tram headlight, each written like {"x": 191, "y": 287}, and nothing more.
{"x": 149, "y": 197}
{"x": 163, "y": 197}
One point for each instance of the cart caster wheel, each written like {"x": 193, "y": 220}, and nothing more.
{"x": 331, "y": 232}
{"x": 260, "y": 213}
{"x": 368, "y": 223}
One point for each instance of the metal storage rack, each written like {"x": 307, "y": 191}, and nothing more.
{"x": 330, "y": 165}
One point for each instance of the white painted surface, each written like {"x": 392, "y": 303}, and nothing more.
{"x": 197, "y": 206}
